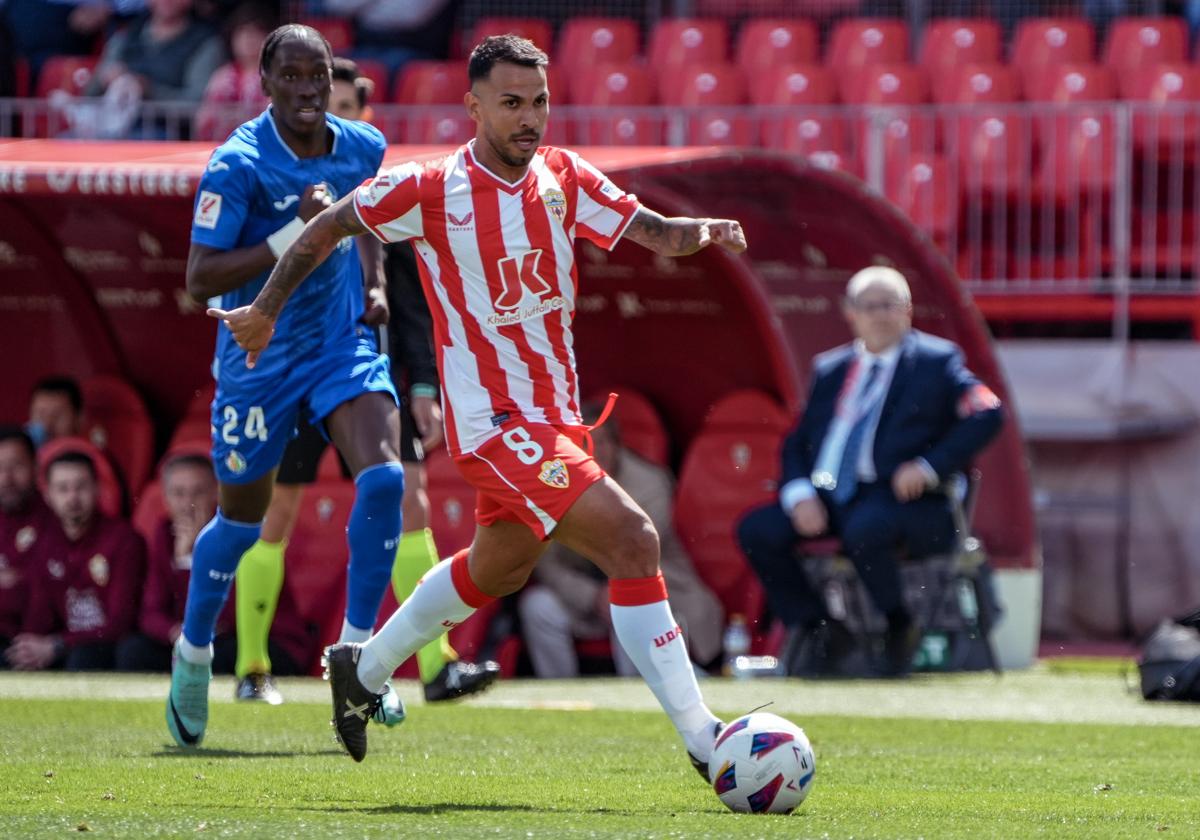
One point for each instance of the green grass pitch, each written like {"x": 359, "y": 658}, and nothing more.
{"x": 1056, "y": 752}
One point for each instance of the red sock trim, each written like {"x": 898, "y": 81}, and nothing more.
{"x": 460, "y": 576}
{"x": 634, "y": 592}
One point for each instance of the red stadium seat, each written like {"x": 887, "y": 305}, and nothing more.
{"x": 857, "y": 42}
{"x": 378, "y": 73}
{"x": 716, "y": 84}
{"x": 906, "y": 132}
{"x": 731, "y": 466}
{"x": 795, "y": 84}
{"x": 885, "y": 84}
{"x": 588, "y": 42}
{"x": 115, "y": 419}
{"x": 800, "y": 84}
{"x": 765, "y": 44}
{"x": 678, "y": 42}
{"x": 924, "y": 188}
{"x": 430, "y": 83}
{"x": 641, "y": 428}
{"x": 111, "y": 494}
{"x": 1041, "y": 43}
{"x": 317, "y": 556}
{"x": 983, "y": 82}
{"x": 616, "y": 86}
{"x": 535, "y": 29}
{"x": 950, "y": 43}
{"x": 992, "y": 144}
{"x": 196, "y": 423}
{"x": 1077, "y": 145}
{"x": 1164, "y": 129}
{"x": 451, "y": 503}
{"x": 820, "y": 137}
{"x": 1136, "y": 44}
{"x": 70, "y": 73}
{"x": 339, "y": 32}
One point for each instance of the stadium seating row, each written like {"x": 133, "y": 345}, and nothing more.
{"x": 730, "y": 466}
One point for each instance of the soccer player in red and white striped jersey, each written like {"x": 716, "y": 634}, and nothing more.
{"x": 494, "y": 227}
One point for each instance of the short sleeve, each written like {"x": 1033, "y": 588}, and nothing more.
{"x": 222, "y": 200}
{"x": 389, "y": 204}
{"x": 604, "y": 210}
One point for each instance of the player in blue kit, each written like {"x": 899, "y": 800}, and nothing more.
{"x": 260, "y": 187}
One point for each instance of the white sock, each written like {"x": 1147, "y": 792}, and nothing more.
{"x": 350, "y": 633}
{"x": 195, "y": 654}
{"x": 434, "y": 607}
{"x": 652, "y": 639}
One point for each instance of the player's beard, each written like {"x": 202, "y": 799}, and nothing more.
{"x": 515, "y": 158}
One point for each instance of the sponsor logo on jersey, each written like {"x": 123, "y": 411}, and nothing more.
{"x": 208, "y": 210}
{"x": 217, "y": 166}
{"x": 26, "y": 537}
{"x": 556, "y": 203}
{"x": 460, "y": 223}
{"x": 554, "y": 474}
{"x": 98, "y": 569}
{"x": 285, "y": 202}
{"x": 235, "y": 463}
{"x": 519, "y": 277}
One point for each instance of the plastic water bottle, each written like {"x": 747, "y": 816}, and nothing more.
{"x": 736, "y": 642}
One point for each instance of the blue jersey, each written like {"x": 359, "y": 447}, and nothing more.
{"x": 250, "y": 189}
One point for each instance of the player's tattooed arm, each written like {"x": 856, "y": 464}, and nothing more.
{"x": 679, "y": 236}
{"x": 320, "y": 237}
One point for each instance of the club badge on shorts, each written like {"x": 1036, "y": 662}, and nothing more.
{"x": 235, "y": 463}
{"x": 554, "y": 474}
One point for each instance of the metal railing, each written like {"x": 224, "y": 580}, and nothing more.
{"x": 1102, "y": 197}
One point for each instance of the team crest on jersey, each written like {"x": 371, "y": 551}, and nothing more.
{"x": 556, "y": 202}
{"x": 208, "y": 210}
{"x": 235, "y": 463}
{"x": 554, "y": 474}
{"x": 98, "y": 569}
{"x": 26, "y": 537}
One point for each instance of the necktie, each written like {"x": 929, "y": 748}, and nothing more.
{"x": 847, "y": 476}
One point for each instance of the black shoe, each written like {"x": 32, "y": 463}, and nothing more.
{"x": 259, "y": 688}
{"x": 702, "y": 766}
{"x": 353, "y": 703}
{"x": 899, "y": 646}
{"x": 458, "y": 679}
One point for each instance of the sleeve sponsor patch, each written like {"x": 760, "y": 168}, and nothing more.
{"x": 208, "y": 210}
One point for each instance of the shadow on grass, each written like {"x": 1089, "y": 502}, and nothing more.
{"x": 456, "y": 807}
{"x": 207, "y": 752}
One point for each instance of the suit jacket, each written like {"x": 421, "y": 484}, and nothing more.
{"x": 934, "y": 409}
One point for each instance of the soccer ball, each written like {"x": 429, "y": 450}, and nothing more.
{"x": 762, "y": 764}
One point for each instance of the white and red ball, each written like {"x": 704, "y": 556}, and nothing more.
{"x": 762, "y": 764}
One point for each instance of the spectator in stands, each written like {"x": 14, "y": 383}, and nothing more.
{"x": 55, "y": 409}
{"x": 190, "y": 496}
{"x": 165, "y": 55}
{"x": 568, "y": 598}
{"x": 24, "y": 522}
{"x": 239, "y": 82}
{"x": 398, "y": 31}
{"x": 43, "y": 29}
{"x": 888, "y": 418}
{"x": 86, "y": 581}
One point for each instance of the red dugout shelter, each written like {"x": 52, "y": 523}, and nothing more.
{"x": 94, "y": 240}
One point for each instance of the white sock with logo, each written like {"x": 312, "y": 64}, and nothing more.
{"x": 444, "y": 597}
{"x": 651, "y": 637}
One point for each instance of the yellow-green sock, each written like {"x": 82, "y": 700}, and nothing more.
{"x": 415, "y": 555}
{"x": 259, "y": 579}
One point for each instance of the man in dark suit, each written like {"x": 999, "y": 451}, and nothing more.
{"x": 889, "y": 418}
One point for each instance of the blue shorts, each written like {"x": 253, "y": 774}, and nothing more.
{"x": 251, "y": 428}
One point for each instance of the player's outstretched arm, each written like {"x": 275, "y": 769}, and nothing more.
{"x": 680, "y": 236}
{"x": 253, "y": 325}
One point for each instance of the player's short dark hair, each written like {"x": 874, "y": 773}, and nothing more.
{"x": 346, "y": 70}
{"x": 289, "y": 32}
{"x": 70, "y": 457}
{"x": 510, "y": 49}
{"x": 188, "y": 460}
{"x": 10, "y": 432}
{"x": 65, "y": 385}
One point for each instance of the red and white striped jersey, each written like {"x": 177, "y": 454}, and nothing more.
{"x": 497, "y": 262}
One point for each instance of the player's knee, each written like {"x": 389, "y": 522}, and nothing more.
{"x": 636, "y": 550}
{"x": 381, "y": 483}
